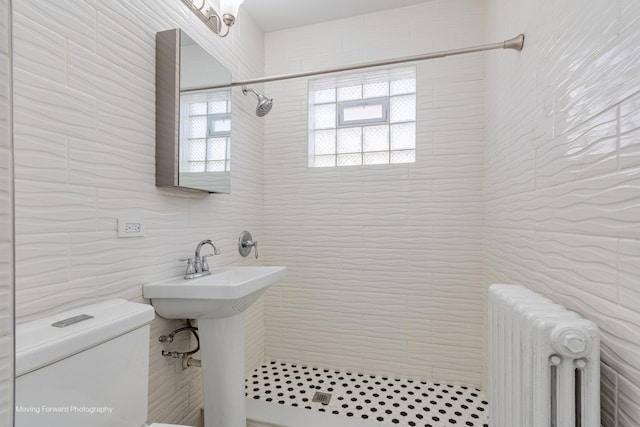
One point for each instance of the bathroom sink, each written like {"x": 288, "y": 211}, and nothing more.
{"x": 226, "y": 292}
{"x": 218, "y": 302}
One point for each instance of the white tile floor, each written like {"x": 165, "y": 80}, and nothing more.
{"x": 401, "y": 402}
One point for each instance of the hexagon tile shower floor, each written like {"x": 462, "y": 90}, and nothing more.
{"x": 401, "y": 402}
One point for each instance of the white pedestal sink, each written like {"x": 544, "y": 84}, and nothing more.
{"x": 218, "y": 302}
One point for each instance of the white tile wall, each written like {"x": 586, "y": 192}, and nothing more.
{"x": 85, "y": 154}
{"x": 384, "y": 262}
{"x": 6, "y": 221}
{"x": 561, "y": 173}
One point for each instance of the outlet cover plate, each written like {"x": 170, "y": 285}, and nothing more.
{"x": 130, "y": 227}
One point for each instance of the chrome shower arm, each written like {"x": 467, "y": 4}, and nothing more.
{"x": 246, "y": 89}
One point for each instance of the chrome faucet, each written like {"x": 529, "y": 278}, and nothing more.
{"x": 198, "y": 266}
{"x": 200, "y": 263}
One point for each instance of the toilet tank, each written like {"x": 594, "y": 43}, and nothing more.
{"x": 91, "y": 372}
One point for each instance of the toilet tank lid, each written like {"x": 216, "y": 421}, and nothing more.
{"x": 39, "y": 344}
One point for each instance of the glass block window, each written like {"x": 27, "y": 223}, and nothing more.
{"x": 205, "y": 131}
{"x": 363, "y": 119}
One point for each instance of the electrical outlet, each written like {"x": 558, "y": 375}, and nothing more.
{"x": 130, "y": 227}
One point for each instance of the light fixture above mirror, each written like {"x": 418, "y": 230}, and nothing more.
{"x": 214, "y": 13}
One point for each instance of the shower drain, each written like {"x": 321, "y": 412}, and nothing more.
{"x": 321, "y": 397}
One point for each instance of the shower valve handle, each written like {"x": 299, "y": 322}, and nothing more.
{"x": 245, "y": 243}
{"x": 255, "y": 246}
{"x": 248, "y": 244}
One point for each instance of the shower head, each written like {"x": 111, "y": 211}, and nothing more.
{"x": 264, "y": 103}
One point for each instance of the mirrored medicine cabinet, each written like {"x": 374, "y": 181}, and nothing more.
{"x": 193, "y": 116}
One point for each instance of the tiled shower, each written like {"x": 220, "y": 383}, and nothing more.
{"x": 386, "y": 261}
{"x": 526, "y": 172}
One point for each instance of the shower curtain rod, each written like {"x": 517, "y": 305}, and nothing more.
{"x": 515, "y": 43}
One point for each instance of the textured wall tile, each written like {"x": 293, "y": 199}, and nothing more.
{"x": 362, "y": 32}
{"x": 604, "y": 205}
{"x": 579, "y": 261}
{"x": 363, "y": 243}
{"x": 73, "y": 20}
{"x": 619, "y": 336}
{"x": 85, "y": 155}
{"x": 42, "y": 259}
{"x": 43, "y": 207}
{"x": 156, "y": 210}
{"x": 609, "y": 391}
{"x": 630, "y": 114}
{"x": 58, "y": 109}
{"x": 125, "y": 130}
{"x": 628, "y": 398}
{"x": 629, "y": 15}
{"x": 630, "y": 132}
{"x": 454, "y": 69}
{"x": 629, "y": 273}
{"x": 464, "y": 30}
{"x": 580, "y": 61}
{"x": 459, "y": 94}
{"x": 572, "y": 235}
{"x": 97, "y": 164}
{"x": 118, "y": 43}
{"x": 444, "y": 167}
{"x": 586, "y": 150}
{"x": 45, "y": 149}
{"x": 94, "y": 76}
{"x": 36, "y": 45}
{"x": 457, "y": 141}
{"x": 56, "y": 298}
{"x": 88, "y": 250}
{"x": 450, "y": 214}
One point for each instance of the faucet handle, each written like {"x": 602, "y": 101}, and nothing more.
{"x": 205, "y": 264}
{"x": 190, "y": 269}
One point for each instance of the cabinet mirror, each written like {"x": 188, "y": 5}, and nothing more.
{"x": 193, "y": 116}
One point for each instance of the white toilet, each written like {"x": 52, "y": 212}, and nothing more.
{"x": 91, "y": 372}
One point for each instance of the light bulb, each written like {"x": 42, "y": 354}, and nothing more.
{"x": 230, "y": 7}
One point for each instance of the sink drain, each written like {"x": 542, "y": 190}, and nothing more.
{"x": 321, "y": 397}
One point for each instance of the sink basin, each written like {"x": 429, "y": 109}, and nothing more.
{"x": 226, "y": 292}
